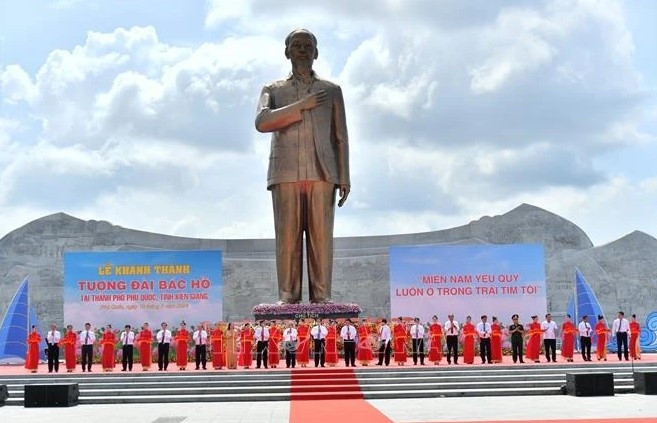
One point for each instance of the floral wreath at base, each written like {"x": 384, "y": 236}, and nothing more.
{"x": 306, "y": 311}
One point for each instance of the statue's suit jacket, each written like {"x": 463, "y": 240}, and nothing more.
{"x": 329, "y": 130}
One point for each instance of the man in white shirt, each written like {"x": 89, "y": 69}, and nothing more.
{"x": 417, "y": 339}
{"x": 318, "y": 334}
{"x": 200, "y": 338}
{"x": 127, "y": 338}
{"x": 385, "y": 347}
{"x": 584, "y": 328}
{"x": 620, "y": 328}
{"x": 163, "y": 337}
{"x": 348, "y": 335}
{"x": 290, "y": 344}
{"x": 52, "y": 339}
{"x": 484, "y": 331}
{"x": 87, "y": 339}
{"x": 452, "y": 339}
{"x": 262, "y": 338}
{"x": 549, "y": 328}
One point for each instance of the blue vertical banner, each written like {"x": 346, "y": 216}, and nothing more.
{"x": 121, "y": 288}
{"x": 496, "y": 280}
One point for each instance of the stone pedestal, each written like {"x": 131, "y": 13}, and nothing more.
{"x": 306, "y": 311}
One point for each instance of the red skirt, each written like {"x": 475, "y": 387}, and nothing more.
{"x": 534, "y": 347}
{"x": 145, "y": 354}
{"x": 32, "y": 359}
{"x": 303, "y": 351}
{"x": 181, "y": 353}
{"x": 496, "y": 349}
{"x": 568, "y": 345}
{"x": 468, "y": 349}
{"x": 217, "y": 354}
{"x": 108, "y": 359}
{"x": 246, "y": 354}
{"x": 435, "y": 349}
{"x": 400, "y": 349}
{"x": 273, "y": 355}
{"x": 331, "y": 351}
{"x": 69, "y": 356}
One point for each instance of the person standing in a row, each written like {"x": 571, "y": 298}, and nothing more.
{"x": 348, "y": 335}
{"x": 218, "y": 349}
{"x": 273, "y": 349}
{"x": 385, "y": 338}
{"x": 70, "y": 342}
{"x": 452, "y": 339}
{"x": 87, "y": 339}
{"x": 534, "y": 342}
{"x": 52, "y": 339}
{"x": 163, "y": 341}
{"x": 32, "y": 359}
{"x": 127, "y": 339}
{"x": 517, "y": 332}
{"x": 635, "y": 334}
{"x": 484, "y": 331}
{"x": 262, "y": 339}
{"x": 144, "y": 340}
{"x": 469, "y": 334}
{"x": 200, "y": 337}
{"x": 568, "y": 334}
{"x": 620, "y": 329}
{"x": 318, "y": 334}
{"x": 549, "y": 329}
{"x": 182, "y": 341}
{"x": 585, "y": 338}
{"x": 417, "y": 340}
{"x": 108, "y": 342}
{"x": 290, "y": 345}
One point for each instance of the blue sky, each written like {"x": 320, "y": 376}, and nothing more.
{"x": 141, "y": 112}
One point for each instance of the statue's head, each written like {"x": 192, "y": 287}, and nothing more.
{"x": 301, "y": 47}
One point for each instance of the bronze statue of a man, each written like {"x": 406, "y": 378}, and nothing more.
{"x": 309, "y": 161}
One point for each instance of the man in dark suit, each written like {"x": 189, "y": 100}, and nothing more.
{"x": 309, "y": 161}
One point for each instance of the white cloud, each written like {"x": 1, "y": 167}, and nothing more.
{"x": 454, "y": 112}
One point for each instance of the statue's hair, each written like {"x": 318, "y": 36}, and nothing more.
{"x": 288, "y": 39}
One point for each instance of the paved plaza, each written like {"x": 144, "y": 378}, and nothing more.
{"x": 619, "y": 408}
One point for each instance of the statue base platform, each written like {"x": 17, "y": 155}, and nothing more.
{"x": 306, "y": 311}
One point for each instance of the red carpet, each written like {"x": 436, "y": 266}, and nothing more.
{"x": 595, "y": 420}
{"x": 336, "y": 397}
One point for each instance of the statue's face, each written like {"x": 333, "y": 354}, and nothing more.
{"x": 302, "y": 51}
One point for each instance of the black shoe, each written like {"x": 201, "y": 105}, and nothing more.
{"x": 521, "y": 362}
{"x": 379, "y": 364}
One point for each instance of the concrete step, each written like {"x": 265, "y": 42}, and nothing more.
{"x": 314, "y": 384}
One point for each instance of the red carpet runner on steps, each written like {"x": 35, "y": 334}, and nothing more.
{"x": 329, "y": 396}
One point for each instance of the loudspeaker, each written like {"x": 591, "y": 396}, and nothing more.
{"x": 590, "y": 384}
{"x": 62, "y": 395}
{"x": 4, "y": 394}
{"x": 645, "y": 383}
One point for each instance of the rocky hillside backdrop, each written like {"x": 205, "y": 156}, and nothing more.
{"x": 623, "y": 274}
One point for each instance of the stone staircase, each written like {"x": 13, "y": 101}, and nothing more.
{"x": 324, "y": 383}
